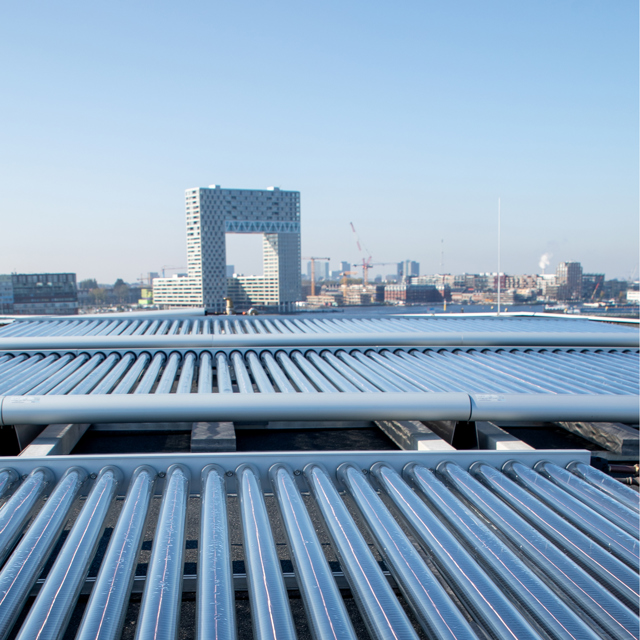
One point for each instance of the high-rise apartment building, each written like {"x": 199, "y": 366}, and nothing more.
{"x": 213, "y": 212}
{"x": 569, "y": 281}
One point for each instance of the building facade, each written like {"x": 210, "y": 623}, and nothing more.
{"x": 213, "y": 212}
{"x": 6, "y": 294}
{"x": 592, "y": 286}
{"x": 39, "y": 294}
{"x": 569, "y": 281}
{"x": 412, "y": 293}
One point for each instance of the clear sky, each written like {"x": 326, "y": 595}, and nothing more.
{"x": 407, "y": 118}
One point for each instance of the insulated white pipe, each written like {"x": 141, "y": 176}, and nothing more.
{"x": 222, "y": 407}
{"x": 621, "y": 339}
{"x": 301, "y": 406}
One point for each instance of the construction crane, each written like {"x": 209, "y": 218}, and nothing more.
{"x": 365, "y": 261}
{"x": 313, "y": 272}
{"x": 366, "y": 265}
{"x": 167, "y": 267}
{"x": 345, "y": 275}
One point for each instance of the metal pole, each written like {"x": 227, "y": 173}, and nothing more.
{"x": 499, "y": 256}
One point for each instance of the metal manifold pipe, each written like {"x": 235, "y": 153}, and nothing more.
{"x": 246, "y": 407}
{"x": 621, "y": 339}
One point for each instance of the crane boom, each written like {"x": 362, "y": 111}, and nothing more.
{"x": 313, "y": 272}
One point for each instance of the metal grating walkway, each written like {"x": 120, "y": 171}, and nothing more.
{"x": 495, "y": 550}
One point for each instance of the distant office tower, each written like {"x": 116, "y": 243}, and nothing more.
{"x": 411, "y": 268}
{"x": 39, "y": 293}
{"x": 408, "y": 269}
{"x": 230, "y": 270}
{"x": 211, "y": 213}
{"x": 321, "y": 270}
{"x": 345, "y": 266}
{"x": 569, "y": 281}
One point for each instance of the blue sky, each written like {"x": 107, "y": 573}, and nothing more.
{"x": 408, "y": 119}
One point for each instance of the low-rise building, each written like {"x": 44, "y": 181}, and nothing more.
{"x": 146, "y": 297}
{"x": 325, "y": 300}
{"x": 253, "y": 291}
{"x": 412, "y": 293}
{"x": 41, "y": 293}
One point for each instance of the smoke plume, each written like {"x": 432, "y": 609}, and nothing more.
{"x": 544, "y": 261}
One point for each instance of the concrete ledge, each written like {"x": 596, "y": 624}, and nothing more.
{"x": 209, "y": 437}
{"x": 55, "y": 440}
{"x": 614, "y": 436}
{"x": 459, "y": 434}
{"x": 491, "y": 436}
{"x": 27, "y": 433}
{"x": 412, "y": 435}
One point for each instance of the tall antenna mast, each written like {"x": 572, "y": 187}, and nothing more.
{"x": 498, "y": 256}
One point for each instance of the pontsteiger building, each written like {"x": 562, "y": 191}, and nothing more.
{"x": 213, "y": 212}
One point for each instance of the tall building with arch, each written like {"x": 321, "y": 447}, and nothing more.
{"x": 213, "y": 212}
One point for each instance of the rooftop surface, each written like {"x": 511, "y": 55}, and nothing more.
{"x": 281, "y": 477}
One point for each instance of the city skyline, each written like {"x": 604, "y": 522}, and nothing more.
{"x": 408, "y": 121}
